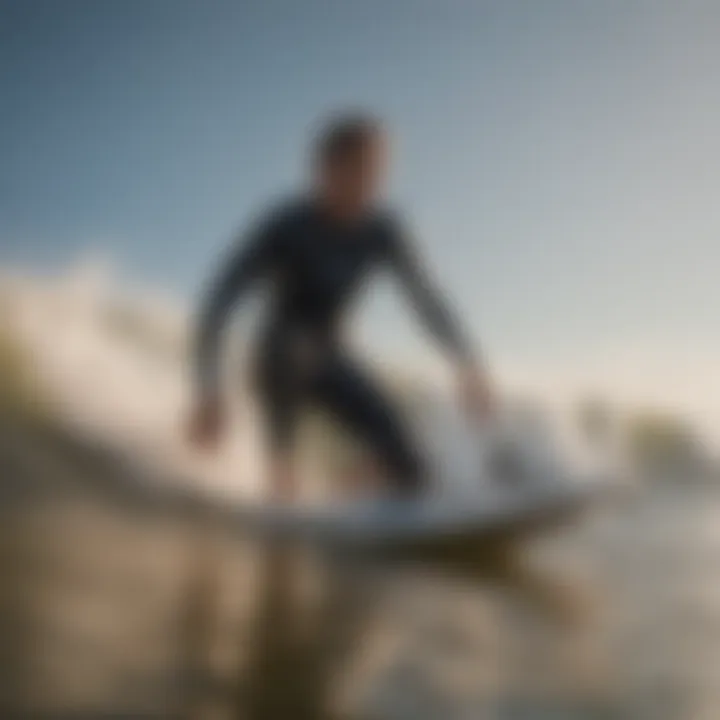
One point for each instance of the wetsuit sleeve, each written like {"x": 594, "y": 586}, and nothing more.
{"x": 430, "y": 304}
{"x": 245, "y": 264}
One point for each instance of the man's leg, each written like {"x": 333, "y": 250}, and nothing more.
{"x": 349, "y": 393}
{"x": 282, "y": 480}
{"x": 279, "y": 400}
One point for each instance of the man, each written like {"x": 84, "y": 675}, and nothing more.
{"x": 313, "y": 253}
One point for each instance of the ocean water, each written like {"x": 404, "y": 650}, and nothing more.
{"x": 120, "y": 603}
{"x": 122, "y": 599}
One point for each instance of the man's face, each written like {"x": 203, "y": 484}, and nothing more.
{"x": 354, "y": 181}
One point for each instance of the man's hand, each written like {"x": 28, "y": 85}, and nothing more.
{"x": 206, "y": 423}
{"x": 474, "y": 393}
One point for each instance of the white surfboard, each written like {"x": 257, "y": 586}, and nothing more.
{"x": 473, "y": 498}
{"x": 492, "y": 510}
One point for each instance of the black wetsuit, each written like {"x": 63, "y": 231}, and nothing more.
{"x": 316, "y": 265}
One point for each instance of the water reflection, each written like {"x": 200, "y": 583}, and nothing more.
{"x": 292, "y": 630}
{"x": 112, "y": 604}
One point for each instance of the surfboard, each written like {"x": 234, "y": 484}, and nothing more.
{"x": 509, "y": 480}
{"x": 493, "y": 508}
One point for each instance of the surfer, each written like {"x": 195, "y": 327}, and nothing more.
{"x": 313, "y": 254}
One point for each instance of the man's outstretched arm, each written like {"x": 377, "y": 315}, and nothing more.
{"x": 428, "y": 301}
{"x": 434, "y": 312}
{"x": 241, "y": 268}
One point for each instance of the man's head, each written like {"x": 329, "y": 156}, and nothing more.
{"x": 350, "y": 157}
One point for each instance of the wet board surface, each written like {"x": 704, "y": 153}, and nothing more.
{"x": 493, "y": 507}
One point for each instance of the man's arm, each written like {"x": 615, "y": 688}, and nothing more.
{"x": 427, "y": 300}
{"x": 473, "y": 386}
{"x": 240, "y": 270}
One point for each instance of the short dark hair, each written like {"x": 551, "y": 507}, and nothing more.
{"x": 344, "y": 136}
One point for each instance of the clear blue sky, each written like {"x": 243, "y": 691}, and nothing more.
{"x": 560, "y": 159}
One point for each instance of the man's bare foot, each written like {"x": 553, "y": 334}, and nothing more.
{"x": 360, "y": 480}
{"x": 206, "y": 423}
{"x": 282, "y": 481}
